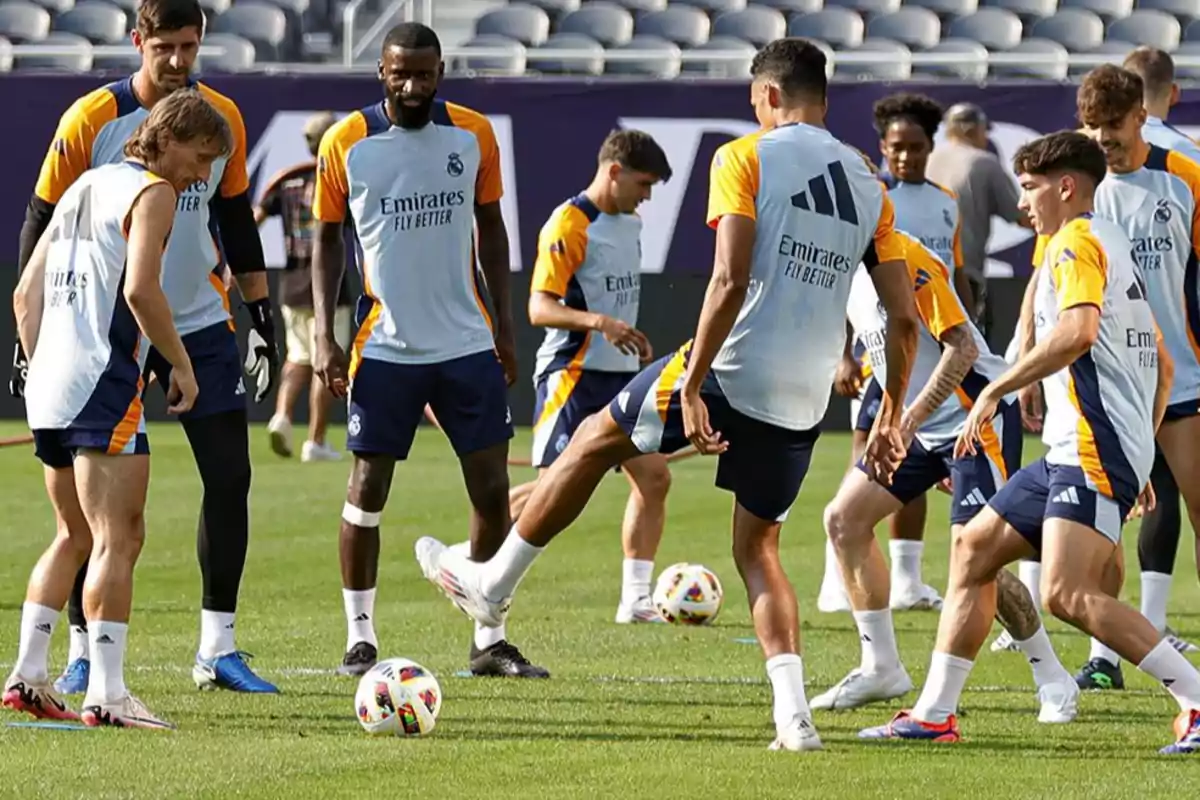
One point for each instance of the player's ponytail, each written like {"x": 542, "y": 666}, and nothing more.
{"x": 182, "y": 116}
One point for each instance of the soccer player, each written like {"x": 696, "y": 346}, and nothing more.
{"x": 93, "y": 132}
{"x": 1107, "y": 374}
{"x": 90, "y": 290}
{"x": 585, "y": 293}
{"x": 289, "y": 196}
{"x": 795, "y": 211}
{"x": 953, "y": 364}
{"x": 417, "y": 176}
{"x": 906, "y": 124}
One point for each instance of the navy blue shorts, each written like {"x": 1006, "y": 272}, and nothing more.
{"x": 976, "y": 479}
{"x": 468, "y": 395}
{"x": 217, "y": 363}
{"x": 1181, "y": 410}
{"x": 565, "y": 398}
{"x": 57, "y": 448}
{"x": 1044, "y": 491}
{"x": 866, "y": 407}
{"x": 764, "y": 465}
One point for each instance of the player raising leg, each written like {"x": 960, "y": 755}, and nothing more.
{"x": 94, "y": 280}
{"x": 735, "y": 390}
{"x": 1107, "y": 377}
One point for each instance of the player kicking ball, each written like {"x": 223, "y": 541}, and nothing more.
{"x": 91, "y": 289}
{"x": 777, "y": 299}
{"x": 1107, "y": 377}
{"x": 953, "y": 365}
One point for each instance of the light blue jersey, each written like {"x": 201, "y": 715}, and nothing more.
{"x": 1168, "y": 137}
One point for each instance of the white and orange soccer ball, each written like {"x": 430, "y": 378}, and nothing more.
{"x": 398, "y": 697}
{"x": 688, "y": 594}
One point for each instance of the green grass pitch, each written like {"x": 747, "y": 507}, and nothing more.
{"x": 642, "y": 712}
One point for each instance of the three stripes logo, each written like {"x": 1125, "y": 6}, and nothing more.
{"x": 974, "y": 499}
{"x": 1068, "y": 496}
{"x": 923, "y": 277}
{"x": 819, "y": 199}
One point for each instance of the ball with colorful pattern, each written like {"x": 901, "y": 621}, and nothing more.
{"x": 688, "y": 594}
{"x": 398, "y": 697}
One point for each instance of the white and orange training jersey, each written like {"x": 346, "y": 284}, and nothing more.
{"x": 93, "y": 131}
{"x": 940, "y": 310}
{"x": 818, "y": 212}
{"x": 929, "y": 213}
{"x": 411, "y": 196}
{"x": 86, "y": 371}
{"x": 1099, "y": 410}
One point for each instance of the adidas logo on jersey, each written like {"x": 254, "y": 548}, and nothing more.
{"x": 1068, "y": 496}
{"x": 820, "y": 200}
{"x": 974, "y": 499}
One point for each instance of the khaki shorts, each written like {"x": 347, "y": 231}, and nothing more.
{"x": 301, "y": 332}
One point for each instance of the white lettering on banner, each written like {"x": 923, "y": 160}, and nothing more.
{"x": 282, "y": 145}
{"x": 680, "y": 139}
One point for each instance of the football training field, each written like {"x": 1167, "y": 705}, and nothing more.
{"x": 631, "y": 711}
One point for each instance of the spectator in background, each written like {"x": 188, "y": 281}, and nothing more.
{"x": 289, "y": 197}
{"x": 1160, "y": 92}
{"x": 984, "y": 187}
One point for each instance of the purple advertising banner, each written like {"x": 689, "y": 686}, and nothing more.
{"x": 549, "y": 133}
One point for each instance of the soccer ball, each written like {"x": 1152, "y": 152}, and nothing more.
{"x": 399, "y": 697}
{"x": 689, "y": 594}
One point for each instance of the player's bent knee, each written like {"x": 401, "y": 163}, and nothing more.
{"x": 359, "y": 518}
{"x": 651, "y": 476}
{"x": 972, "y": 558}
{"x": 841, "y": 527}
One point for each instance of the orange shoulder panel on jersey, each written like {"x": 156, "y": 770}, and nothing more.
{"x": 950, "y": 192}
{"x": 332, "y": 191}
{"x": 733, "y": 179}
{"x": 70, "y": 153}
{"x": 1078, "y": 266}
{"x": 235, "y": 179}
{"x": 561, "y": 249}
{"x": 1039, "y": 249}
{"x": 889, "y": 244}
{"x": 489, "y": 185}
{"x": 1189, "y": 172}
{"x": 937, "y": 302}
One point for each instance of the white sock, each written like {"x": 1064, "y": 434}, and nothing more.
{"x": 786, "y": 672}
{"x": 878, "y": 637}
{"x": 33, "y": 652}
{"x": 216, "y": 633}
{"x": 1156, "y": 590}
{"x": 506, "y": 569}
{"x": 106, "y": 681}
{"x": 1100, "y": 650}
{"x": 943, "y": 686}
{"x": 79, "y": 643}
{"x": 1030, "y": 573}
{"x": 486, "y": 637}
{"x": 360, "y": 617}
{"x": 832, "y": 582}
{"x": 906, "y": 562}
{"x": 1042, "y": 658}
{"x": 1168, "y": 666}
{"x": 636, "y": 575}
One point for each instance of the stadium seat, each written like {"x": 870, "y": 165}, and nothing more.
{"x": 917, "y": 28}
{"x": 555, "y": 8}
{"x": 512, "y": 62}
{"x": 1192, "y": 32}
{"x": 521, "y": 22}
{"x": 1154, "y": 28}
{"x": 722, "y": 69}
{"x": 994, "y": 28}
{"x": 969, "y": 61}
{"x": 1187, "y": 73}
{"x": 6, "y": 56}
{"x": 637, "y": 6}
{"x": 22, "y": 22}
{"x": 1107, "y": 10}
{"x": 56, "y": 7}
{"x": 125, "y": 62}
{"x": 867, "y": 8}
{"x": 664, "y": 62}
{"x": 1111, "y": 53}
{"x": 1051, "y": 63}
{"x": 686, "y": 26}
{"x": 946, "y": 9}
{"x": 239, "y": 54}
{"x": 839, "y": 27}
{"x": 1026, "y": 10}
{"x": 713, "y": 6}
{"x": 130, "y": 8}
{"x": 262, "y": 24}
{"x": 212, "y": 8}
{"x": 1186, "y": 11}
{"x": 1076, "y": 29}
{"x": 790, "y": 6}
{"x": 755, "y": 24}
{"x": 897, "y": 66}
{"x": 80, "y": 60}
{"x": 95, "y": 20}
{"x": 607, "y": 23}
{"x": 593, "y": 65}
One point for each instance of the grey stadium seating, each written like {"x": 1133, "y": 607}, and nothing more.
{"x": 714, "y": 6}
{"x": 1188, "y": 73}
{"x": 866, "y": 7}
{"x": 521, "y": 22}
{"x": 239, "y": 53}
{"x": 568, "y": 41}
{"x": 637, "y": 6}
{"x": 756, "y": 24}
{"x": 1107, "y": 9}
{"x": 79, "y": 60}
{"x": 1026, "y": 10}
{"x": 966, "y": 61}
{"x": 839, "y": 27}
{"x": 1076, "y": 29}
{"x": 1155, "y": 28}
{"x": 686, "y": 26}
{"x": 917, "y": 28}
{"x": 664, "y": 63}
{"x": 1052, "y": 65}
{"x": 739, "y": 68}
{"x": 22, "y": 21}
{"x": 261, "y": 23}
{"x": 512, "y": 62}
{"x": 896, "y": 66}
{"x": 1183, "y": 10}
{"x": 791, "y": 6}
{"x": 994, "y": 28}
{"x": 96, "y": 20}
{"x": 607, "y": 23}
